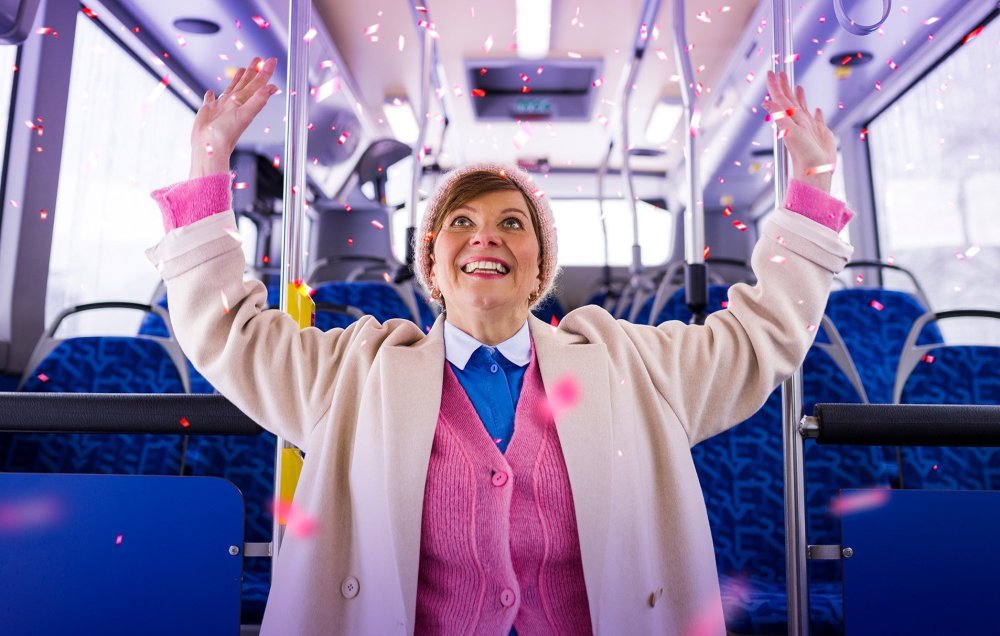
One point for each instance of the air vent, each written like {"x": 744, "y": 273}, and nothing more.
{"x": 550, "y": 90}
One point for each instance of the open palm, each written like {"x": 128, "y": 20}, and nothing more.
{"x": 220, "y": 122}
{"x": 811, "y": 146}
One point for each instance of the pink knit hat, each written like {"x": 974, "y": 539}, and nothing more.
{"x": 548, "y": 268}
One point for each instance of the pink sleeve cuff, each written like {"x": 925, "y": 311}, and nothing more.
{"x": 816, "y": 205}
{"x": 189, "y": 201}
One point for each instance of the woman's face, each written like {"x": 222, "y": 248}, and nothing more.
{"x": 486, "y": 255}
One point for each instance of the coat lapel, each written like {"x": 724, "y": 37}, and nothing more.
{"x": 584, "y": 431}
{"x": 412, "y": 380}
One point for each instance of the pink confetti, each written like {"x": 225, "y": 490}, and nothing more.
{"x": 209, "y": 150}
{"x": 878, "y": 86}
{"x": 783, "y": 133}
{"x": 706, "y": 252}
{"x": 478, "y": 92}
{"x": 972, "y": 35}
{"x": 185, "y": 423}
{"x": 181, "y": 41}
{"x": 87, "y": 11}
{"x": 310, "y": 35}
{"x": 276, "y": 161}
{"x": 240, "y": 185}
{"x": 749, "y": 78}
{"x": 43, "y": 377}
{"x": 928, "y": 358}
{"x": 343, "y": 138}
{"x": 564, "y": 395}
{"x": 859, "y": 279}
{"x": 859, "y": 501}
{"x": 297, "y": 521}
{"x": 739, "y": 225}
{"x": 47, "y": 31}
{"x": 225, "y": 302}
{"x": 777, "y": 258}
{"x": 574, "y": 55}
{"x": 488, "y": 44}
{"x": 43, "y": 214}
{"x": 350, "y": 241}
{"x": 597, "y": 82}
{"x": 372, "y": 30}
{"x": 378, "y": 226}
{"x": 930, "y": 21}
{"x": 401, "y": 43}
{"x": 118, "y": 540}
{"x": 261, "y": 22}
{"x": 876, "y": 305}
{"x": 893, "y": 65}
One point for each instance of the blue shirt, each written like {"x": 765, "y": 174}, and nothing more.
{"x": 491, "y": 376}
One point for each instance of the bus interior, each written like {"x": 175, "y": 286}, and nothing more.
{"x": 623, "y": 118}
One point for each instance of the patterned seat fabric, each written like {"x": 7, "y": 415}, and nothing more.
{"x": 427, "y": 316}
{"x": 741, "y": 472}
{"x": 377, "y": 299}
{"x": 99, "y": 365}
{"x": 153, "y": 325}
{"x": 676, "y": 307}
{"x": 874, "y": 324}
{"x": 953, "y": 375}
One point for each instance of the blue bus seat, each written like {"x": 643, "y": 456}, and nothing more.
{"x": 874, "y": 323}
{"x": 117, "y": 555}
{"x": 153, "y": 325}
{"x": 676, "y": 308}
{"x": 377, "y": 299}
{"x": 949, "y": 374}
{"x": 92, "y": 364}
{"x": 741, "y": 472}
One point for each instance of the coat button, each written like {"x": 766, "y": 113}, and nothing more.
{"x": 507, "y": 597}
{"x": 499, "y": 478}
{"x": 350, "y": 587}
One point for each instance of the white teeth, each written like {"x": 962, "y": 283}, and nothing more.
{"x": 485, "y": 266}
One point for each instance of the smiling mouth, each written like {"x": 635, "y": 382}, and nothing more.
{"x": 489, "y": 269}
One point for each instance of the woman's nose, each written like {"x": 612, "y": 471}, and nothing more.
{"x": 485, "y": 236}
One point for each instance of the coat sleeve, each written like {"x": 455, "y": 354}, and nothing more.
{"x": 718, "y": 374}
{"x": 282, "y": 377}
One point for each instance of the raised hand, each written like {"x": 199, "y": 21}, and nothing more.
{"x": 811, "y": 145}
{"x": 220, "y": 122}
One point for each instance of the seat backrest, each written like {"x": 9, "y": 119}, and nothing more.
{"x": 153, "y": 325}
{"x": 377, "y": 299}
{"x": 874, "y": 323}
{"x": 676, "y": 308}
{"x": 940, "y": 374}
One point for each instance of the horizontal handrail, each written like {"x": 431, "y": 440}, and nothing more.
{"x": 904, "y": 424}
{"x": 123, "y": 413}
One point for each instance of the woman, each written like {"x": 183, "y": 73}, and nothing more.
{"x": 449, "y": 497}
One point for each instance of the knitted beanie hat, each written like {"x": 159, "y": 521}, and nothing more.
{"x": 548, "y": 268}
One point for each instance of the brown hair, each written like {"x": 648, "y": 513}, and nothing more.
{"x": 473, "y": 185}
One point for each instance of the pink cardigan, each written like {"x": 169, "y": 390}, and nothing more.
{"x": 499, "y": 545}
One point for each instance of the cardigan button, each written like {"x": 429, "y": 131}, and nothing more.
{"x": 507, "y": 597}
{"x": 350, "y": 587}
{"x": 499, "y": 478}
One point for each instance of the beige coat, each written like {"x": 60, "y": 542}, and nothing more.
{"x": 363, "y": 403}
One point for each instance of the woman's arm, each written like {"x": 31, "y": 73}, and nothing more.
{"x": 282, "y": 377}
{"x": 718, "y": 374}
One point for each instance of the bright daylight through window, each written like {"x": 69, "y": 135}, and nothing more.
{"x": 125, "y": 136}
{"x": 937, "y": 183}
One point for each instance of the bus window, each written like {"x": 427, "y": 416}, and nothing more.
{"x": 581, "y": 239}
{"x": 936, "y": 176}
{"x": 125, "y": 136}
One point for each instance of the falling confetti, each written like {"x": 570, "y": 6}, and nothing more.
{"x": 854, "y": 502}
{"x": 564, "y": 395}
{"x": 928, "y": 358}
{"x": 185, "y": 423}
{"x": 310, "y": 35}
{"x": 739, "y": 225}
{"x": 377, "y": 225}
{"x": 876, "y": 305}
{"x": 225, "y": 301}
{"x": 972, "y": 35}
{"x": 297, "y": 521}
{"x": 118, "y": 540}
{"x": 478, "y": 92}
{"x": 43, "y": 377}
{"x": 777, "y": 258}
{"x": 488, "y": 44}
{"x": 87, "y": 11}
{"x": 47, "y": 31}
{"x": 261, "y": 22}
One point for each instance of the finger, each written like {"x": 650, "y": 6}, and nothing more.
{"x": 819, "y": 117}
{"x": 800, "y": 93}
{"x": 256, "y": 102}
{"x": 786, "y": 89}
{"x": 233, "y": 82}
{"x": 209, "y": 97}
{"x": 260, "y": 80}
{"x": 248, "y": 75}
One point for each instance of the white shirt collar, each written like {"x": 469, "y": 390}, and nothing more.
{"x": 459, "y": 346}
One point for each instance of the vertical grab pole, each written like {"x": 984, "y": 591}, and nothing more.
{"x": 649, "y": 10}
{"x": 791, "y": 389}
{"x": 426, "y": 54}
{"x": 695, "y": 278}
{"x": 294, "y": 297}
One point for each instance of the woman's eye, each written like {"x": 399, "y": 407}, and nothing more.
{"x": 512, "y": 223}
{"x": 461, "y": 222}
